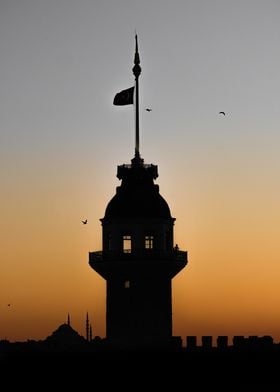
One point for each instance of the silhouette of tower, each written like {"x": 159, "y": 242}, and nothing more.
{"x": 138, "y": 259}
{"x": 68, "y": 319}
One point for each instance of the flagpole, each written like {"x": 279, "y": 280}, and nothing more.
{"x": 136, "y": 71}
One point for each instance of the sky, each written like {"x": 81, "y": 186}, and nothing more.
{"x": 61, "y": 139}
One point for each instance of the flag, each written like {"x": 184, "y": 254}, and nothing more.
{"x": 125, "y": 97}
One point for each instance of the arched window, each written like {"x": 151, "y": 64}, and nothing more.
{"x": 127, "y": 284}
{"x": 126, "y": 243}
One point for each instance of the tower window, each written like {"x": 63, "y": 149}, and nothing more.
{"x": 127, "y": 284}
{"x": 149, "y": 242}
{"x": 109, "y": 241}
{"x": 127, "y": 244}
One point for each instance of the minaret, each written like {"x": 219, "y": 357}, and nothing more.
{"x": 90, "y": 333}
{"x": 138, "y": 259}
{"x": 68, "y": 320}
{"x": 87, "y": 328}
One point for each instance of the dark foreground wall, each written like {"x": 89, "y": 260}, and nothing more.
{"x": 145, "y": 369}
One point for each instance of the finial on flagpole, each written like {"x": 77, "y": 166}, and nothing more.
{"x": 136, "y": 69}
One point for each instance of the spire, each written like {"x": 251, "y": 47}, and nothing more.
{"x": 136, "y": 71}
{"x": 90, "y": 333}
{"x": 87, "y": 328}
{"x": 68, "y": 319}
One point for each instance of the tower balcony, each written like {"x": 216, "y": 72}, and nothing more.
{"x": 143, "y": 262}
{"x": 146, "y": 255}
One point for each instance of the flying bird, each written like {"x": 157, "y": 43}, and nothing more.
{"x": 9, "y": 304}
{"x": 222, "y": 113}
{"x": 148, "y": 109}
{"x": 84, "y": 222}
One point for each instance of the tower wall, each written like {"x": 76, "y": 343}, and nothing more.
{"x": 161, "y": 230}
{"x": 139, "y": 306}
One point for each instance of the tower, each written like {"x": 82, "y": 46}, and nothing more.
{"x": 138, "y": 258}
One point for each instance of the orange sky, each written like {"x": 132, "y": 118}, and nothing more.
{"x": 230, "y": 286}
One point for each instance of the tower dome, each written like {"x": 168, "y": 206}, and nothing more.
{"x": 137, "y": 196}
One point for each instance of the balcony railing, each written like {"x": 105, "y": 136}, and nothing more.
{"x": 129, "y": 166}
{"x": 139, "y": 255}
{"x": 123, "y": 170}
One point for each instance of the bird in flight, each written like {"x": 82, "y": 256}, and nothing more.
{"x": 148, "y": 109}
{"x": 222, "y": 113}
{"x": 9, "y": 304}
{"x": 84, "y": 222}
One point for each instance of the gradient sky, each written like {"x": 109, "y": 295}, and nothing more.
{"x": 61, "y": 139}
